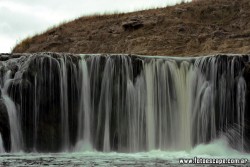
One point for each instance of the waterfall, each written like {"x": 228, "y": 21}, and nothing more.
{"x": 105, "y": 103}
{"x": 16, "y": 133}
{"x": 63, "y": 102}
{"x": 84, "y": 135}
{"x": 241, "y": 101}
{"x": 2, "y": 150}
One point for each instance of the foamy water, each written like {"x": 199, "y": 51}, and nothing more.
{"x": 1, "y": 144}
{"x": 216, "y": 149}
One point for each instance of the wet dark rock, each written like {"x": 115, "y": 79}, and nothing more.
{"x": 4, "y": 57}
{"x": 5, "y": 126}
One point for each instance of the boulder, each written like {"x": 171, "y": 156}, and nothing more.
{"x": 132, "y": 24}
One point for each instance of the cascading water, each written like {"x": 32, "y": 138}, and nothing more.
{"x": 123, "y": 103}
{"x": 2, "y": 150}
{"x": 84, "y": 135}
{"x": 64, "y": 101}
{"x": 15, "y": 130}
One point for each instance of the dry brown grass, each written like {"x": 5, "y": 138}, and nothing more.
{"x": 195, "y": 28}
{"x": 25, "y": 44}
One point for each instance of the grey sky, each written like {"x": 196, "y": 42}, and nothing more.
{"x": 22, "y": 18}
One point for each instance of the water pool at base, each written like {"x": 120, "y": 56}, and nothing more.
{"x": 218, "y": 149}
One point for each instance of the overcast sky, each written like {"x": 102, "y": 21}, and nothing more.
{"x": 22, "y": 18}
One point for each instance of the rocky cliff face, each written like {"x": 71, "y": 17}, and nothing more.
{"x": 122, "y": 103}
{"x": 196, "y": 28}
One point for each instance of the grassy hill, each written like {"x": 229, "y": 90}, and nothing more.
{"x": 196, "y": 28}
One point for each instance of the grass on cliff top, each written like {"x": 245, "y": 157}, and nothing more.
{"x": 195, "y": 28}
{"x": 26, "y": 42}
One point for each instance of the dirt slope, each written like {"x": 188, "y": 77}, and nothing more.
{"x": 196, "y": 28}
